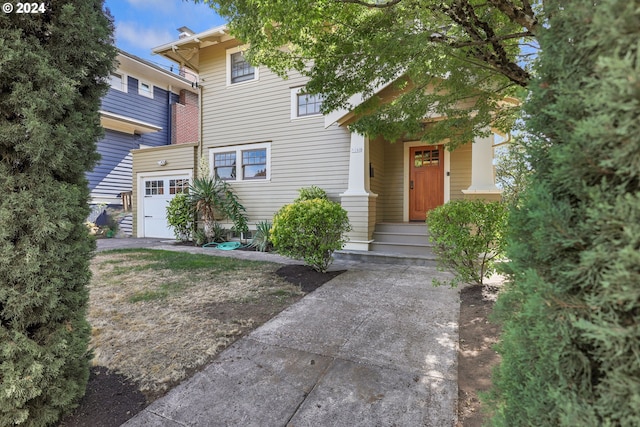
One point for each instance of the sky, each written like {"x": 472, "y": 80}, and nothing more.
{"x": 142, "y": 25}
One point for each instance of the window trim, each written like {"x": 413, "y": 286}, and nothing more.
{"x": 123, "y": 81}
{"x": 256, "y": 69}
{"x": 145, "y": 93}
{"x": 294, "y": 106}
{"x": 239, "y": 149}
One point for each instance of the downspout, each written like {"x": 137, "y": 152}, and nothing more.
{"x": 169, "y": 128}
{"x": 200, "y": 121}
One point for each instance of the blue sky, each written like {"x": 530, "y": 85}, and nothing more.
{"x": 144, "y": 24}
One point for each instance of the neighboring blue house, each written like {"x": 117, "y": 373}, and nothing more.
{"x": 144, "y": 107}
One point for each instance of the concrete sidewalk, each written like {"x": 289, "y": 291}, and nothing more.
{"x": 376, "y": 346}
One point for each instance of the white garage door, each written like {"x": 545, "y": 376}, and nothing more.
{"x": 158, "y": 191}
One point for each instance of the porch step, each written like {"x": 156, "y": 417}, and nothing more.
{"x": 385, "y": 258}
{"x": 396, "y": 243}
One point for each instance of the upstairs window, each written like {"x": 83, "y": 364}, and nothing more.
{"x": 309, "y": 105}
{"x": 238, "y": 69}
{"x": 224, "y": 165}
{"x": 145, "y": 89}
{"x": 118, "y": 82}
{"x": 304, "y": 104}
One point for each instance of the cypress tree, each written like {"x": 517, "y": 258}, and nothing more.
{"x": 571, "y": 334}
{"x": 53, "y": 69}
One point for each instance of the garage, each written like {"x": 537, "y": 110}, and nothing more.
{"x": 155, "y": 193}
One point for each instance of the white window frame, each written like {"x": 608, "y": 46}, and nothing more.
{"x": 144, "y": 92}
{"x": 238, "y": 149}
{"x": 123, "y": 82}
{"x": 256, "y": 69}
{"x": 294, "y": 106}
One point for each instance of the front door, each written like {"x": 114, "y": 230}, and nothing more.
{"x": 426, "y": 180}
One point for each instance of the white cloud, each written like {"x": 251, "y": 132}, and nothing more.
{"x": 138, "y": 36}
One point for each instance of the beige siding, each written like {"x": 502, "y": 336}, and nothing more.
{"x": 178, "y": 157}
{"x": 394, "y": 182}
{"x": 377, "y": 182}
{"x": 359, "y": 209}
{"x": 303, "y": 152}
{"x": 460, "y": 171}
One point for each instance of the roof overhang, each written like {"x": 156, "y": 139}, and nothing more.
{"x": 186, "y": 51}
{"x": 131, "y": 64}
{"x": 126, "y": 124}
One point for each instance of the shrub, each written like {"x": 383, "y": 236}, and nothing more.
{"x": 310, "y": 193}
{"x": 214, "y": 199}
{"x": 262, "y": 239}
{"x": 571, "y": 309}
{"x": 52, "y": 78}
{"x": 181, "y": 217}
{"x": 468, "y": 237}
{"x": 310, "y": 230}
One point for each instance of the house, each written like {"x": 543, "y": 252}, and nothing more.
{"x": 146, "y": 106}
{"x": 268, "y": 139}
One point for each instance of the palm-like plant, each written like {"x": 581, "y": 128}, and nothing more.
{"x": 214, "y": 199}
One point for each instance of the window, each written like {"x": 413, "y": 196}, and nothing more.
{"x": 145, "y": 89}
{"x": 254, "y": 164}
{"x": 249, "y": 162}
{"x": 309, "y": 104}
{"x": 118, "y": 82}
{"x": 154, "y": 188}
{"x": 304, "y": 104}
{"x": 238, "y": 69}
{"x": 224, "y": 165}
{"x": 177, "y": 186}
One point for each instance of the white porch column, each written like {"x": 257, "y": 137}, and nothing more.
{"x": 358, "y": 200}
{"x": 482, "y": 179}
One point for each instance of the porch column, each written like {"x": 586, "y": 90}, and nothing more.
{"x": 483, "y": 184}
{"x": 358, "y": 200}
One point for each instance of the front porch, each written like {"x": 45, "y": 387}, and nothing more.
{"x": 392, "y": 186}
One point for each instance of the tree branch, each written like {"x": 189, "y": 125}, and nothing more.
{"x": 375, "y": 5}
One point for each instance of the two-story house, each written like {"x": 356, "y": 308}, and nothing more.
{"x": 266, "y": 138}
{"x": 146, "y": 106}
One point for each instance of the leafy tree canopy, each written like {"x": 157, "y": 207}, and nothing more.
{"x": 457, "y": 58}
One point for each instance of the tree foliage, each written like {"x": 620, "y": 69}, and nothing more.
{"x": 53, "y": 69}
{"x": 458, "y": 58}
{"x": 571, "y": 311}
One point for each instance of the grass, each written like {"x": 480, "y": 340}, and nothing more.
{"x": 157, "y": 316}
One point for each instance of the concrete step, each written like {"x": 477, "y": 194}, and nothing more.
{"x": 409, "y": 238}
{"x": 385, "y": 258}
{"x": 402, "y": 227}
{"x": 401, "y": 248}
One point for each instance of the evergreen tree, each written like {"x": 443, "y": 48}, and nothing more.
{"x": 53, "y": 69}
{"x": 571, "y": 341}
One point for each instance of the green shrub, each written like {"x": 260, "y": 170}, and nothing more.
{"x": 468, "y": 237}
{"x": 571, "y": 310}
{"x": 262, "y": 239}
{"x": 310, "y": 230}
{"x": 214, "y": 199}
{"x": 310, "y": 193}
{"x": 181, "y": 217}
{"x": 53, "y": 75}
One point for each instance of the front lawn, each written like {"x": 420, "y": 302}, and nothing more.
{"x": 158, "y": 316}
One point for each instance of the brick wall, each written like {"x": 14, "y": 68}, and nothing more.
{"x": 184, "y": 118}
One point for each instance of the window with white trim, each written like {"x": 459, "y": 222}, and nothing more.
{"x": 118, "y": 81}
{"x": 154, "y": 187}
{"x": 177, "y": 186}
{"x": 304, "y": 104}
{"x": 238, "y": 69}
{"x": 250, "y": 162}
{"x": 145, "y": 89}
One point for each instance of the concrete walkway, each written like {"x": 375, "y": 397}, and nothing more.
{"x": 376, "y": 346}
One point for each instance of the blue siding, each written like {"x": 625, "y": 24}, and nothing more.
{"x": 112, "y": 175}
{"x": 155, "y": 111}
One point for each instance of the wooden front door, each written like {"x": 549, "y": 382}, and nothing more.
{"x": 426, "y": 180}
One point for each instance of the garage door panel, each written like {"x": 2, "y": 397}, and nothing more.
{"x": 157, "y": 195}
